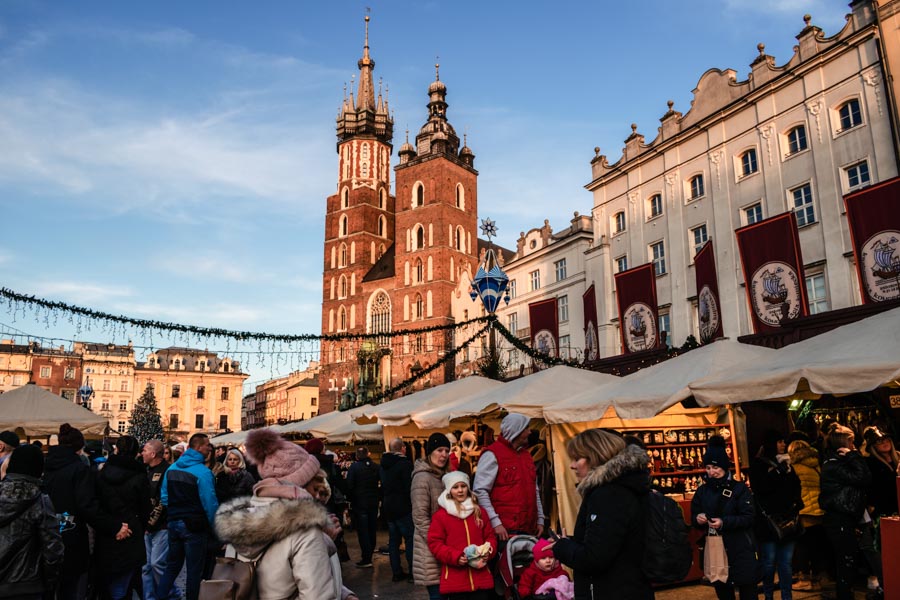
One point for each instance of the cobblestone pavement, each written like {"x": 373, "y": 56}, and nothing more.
{"x": 376, "y": 582}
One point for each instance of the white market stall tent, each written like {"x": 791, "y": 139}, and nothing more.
{"x": 335, "y": 426}
{"x": 854, "y": 358}
{"x": 33, "y": 411}
{"x": 400, "y": 411}
{"x": 528, "y": 395}
{"x": 651, "y": 390}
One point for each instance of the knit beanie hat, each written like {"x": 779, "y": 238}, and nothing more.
{"x": 10, "y": 439}
{"x": 315, "y": 446}
{"x": 715, "y": 453}
{"x": 436, "y": 440}
{"x": 278, "y": 458}
{"x": 452, "y": 478}
{"x": 541, "y": 550}
{"x": 26, "y": 460}
{"x": 69, "y": 436}
{"x": 512, "y": 425}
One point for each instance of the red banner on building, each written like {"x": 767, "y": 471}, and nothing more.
{"x": 708, "y": 305}
{"x": 773, "y": 271}
{"x": 542, "y": 317}
{"x": 874, "y": 218}
{"x": 591, "y": 345}
{"x": 636, "y": 295}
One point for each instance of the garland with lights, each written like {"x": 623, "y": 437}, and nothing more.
{"x": 531, "y": 352}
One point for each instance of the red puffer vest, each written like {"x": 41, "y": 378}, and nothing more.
{"x": 514, "y": 493}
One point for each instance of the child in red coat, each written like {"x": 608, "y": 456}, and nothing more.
{"x": 544, "y": 566}
{"x": 462, "y": 541}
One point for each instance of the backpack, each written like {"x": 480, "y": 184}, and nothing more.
{"x": 667, "y": 551}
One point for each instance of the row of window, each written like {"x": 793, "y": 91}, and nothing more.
{"x": 417, "y": 198}
{"x": 47, "y": 371}
{"x": 178, "y": 364}
{"x": 201, "y": 392}
{"x": 199, "y": 421}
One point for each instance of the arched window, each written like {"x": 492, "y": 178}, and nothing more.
{"x": 343, "y": 256}
{"x": 460, "y": 240}
{"x": 796, "y": 139}
{"x": 420, "y": 307}
{"x": 697, "y": 187}
{"x": 342, "y": 289}
{"x": 655, "y": 205}
{"x": 418, "y": 198}
{"x": 850, "y": 114}
{"x": 345, "y": 198}
{"x": 380, "y": 317}
{"x": 382, "y": 226}
{"x": 460, "y": 197}
{"x": 342, "y": 319}
{"x": 420, "y": 237}
{"x": 420, "y": 273}
{"x": 382, "y": 199}
{"x": 344, "y": 225}
{"x": 364, "y": 153}
{"x": 619, "y": 222}
{"x": 749, "y": 164}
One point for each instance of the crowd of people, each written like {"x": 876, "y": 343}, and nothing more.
{"x": 152, "y": 519}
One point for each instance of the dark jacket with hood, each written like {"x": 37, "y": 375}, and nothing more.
{"x": 607, "y": 547}
{"x": 71, "y": 487}
{"x": 31, "y": 548}
{"x": 845, "y": 483}
{"x": 883, "y": 491}
{"x": 233, "y": 484}
{"x": 362, "y": 482}
{"x": 738, "y": 513}
{"x": 776, "y": 488}
{"x": 124, "y": 492}
{"x": 396, "y": 482}
{"x": 338, "y": 500}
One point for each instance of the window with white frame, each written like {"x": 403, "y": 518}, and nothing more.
{"x": 535, "y": 279}
{"x": 619, "y": 222}
{"x": 857, "y": 176}
{"x": 418, "y": 198}
{"x": 562, "y": 308}
{"x": 753, "y": 214}
{"x": 699, "y": 237}
{"x": 513, "y": 323}
{"x": 123, "y": 405}
{"x": 70, "y": 373}
{"x": 658, "y": 255}
{"x": 621, "y": 264}
{"x": 664, "y": 325}
{"x": 796, "y": 140}
{"x": 121, "y": 427}
{"x": 816, "y": 293}
{"x": 45, "y": 372}
{"x": 655, "y": 206}
{"x": 512, "y": 288}
{"x": 560, "y": 268}
{"x": 697, "y": 188}
{"x": 565, "y": 343}
{"x": 345, "y": 198}
{"x": 749, "y": 164}
{"x": 803, "y": 205}
{"x": 849, "y": 114}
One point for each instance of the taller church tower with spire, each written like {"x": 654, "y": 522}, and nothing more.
{"x": 392, "y": 264}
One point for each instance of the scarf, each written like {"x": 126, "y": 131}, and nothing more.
{"x": 461, "y": 511}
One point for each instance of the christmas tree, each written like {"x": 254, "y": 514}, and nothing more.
{"x": 146, "y": 422}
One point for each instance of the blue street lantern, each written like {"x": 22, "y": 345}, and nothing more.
{"x": 490, "y": 283}
{"x": 85, "y": 392}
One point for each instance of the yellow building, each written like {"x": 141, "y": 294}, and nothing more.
{"x": 196, "y": 391}
{"x": 303, "y": 393}
{"x": 15, "y": 365}
{"x": 109, "y": 370}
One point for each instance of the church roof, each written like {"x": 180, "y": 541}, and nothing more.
{"x": 383, "y": 267}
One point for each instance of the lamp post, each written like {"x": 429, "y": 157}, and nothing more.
{"x": 490, "y": 283}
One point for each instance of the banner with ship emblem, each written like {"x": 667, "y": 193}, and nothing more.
{"x": 636, "y": 296}
{"x": 874, "y": 218}
{"x": 542, "y": 317}
{"x": 773, "y": 271}
{"x": 591, "y": 344}
{"x": 708, "y": 311}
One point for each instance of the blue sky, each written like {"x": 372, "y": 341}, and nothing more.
{"x": 170, "y": 160}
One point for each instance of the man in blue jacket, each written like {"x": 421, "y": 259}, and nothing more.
{"x": 189, "y": 495}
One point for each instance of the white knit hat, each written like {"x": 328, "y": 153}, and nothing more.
{"x": 454, "y": 477}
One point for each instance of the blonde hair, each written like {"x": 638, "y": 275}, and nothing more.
{"x": 595, "y": 445}
{"x": 476, "y": 509}
{"x": 839, "y": 437}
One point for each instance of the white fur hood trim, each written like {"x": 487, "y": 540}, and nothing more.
{"x": 252, "y": 523}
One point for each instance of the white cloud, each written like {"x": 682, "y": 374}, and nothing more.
{"x": 80, "y": 293}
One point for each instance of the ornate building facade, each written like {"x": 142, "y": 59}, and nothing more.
{"x": 392, "y": 262}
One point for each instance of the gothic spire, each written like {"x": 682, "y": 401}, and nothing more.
{"x": 365, "y": 96}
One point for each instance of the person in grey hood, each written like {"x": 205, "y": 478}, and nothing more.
{"x": 31, "y": 547}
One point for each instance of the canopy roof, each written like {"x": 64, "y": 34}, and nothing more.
{"x": 650, "y": 391}
{"x": 528, "y": 395}
{"x": 400, "y": 411}
{"x": 40, "y": 413}
{"x": 335, "y": 426}
{"x": 857, "y": 357}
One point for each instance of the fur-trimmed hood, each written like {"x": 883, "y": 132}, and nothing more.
{"x": 252, "y": 523}
{"x": 633, "y": 459}
{"x": 806, "y": 456}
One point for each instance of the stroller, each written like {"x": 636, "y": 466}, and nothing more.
{"x": 514, "y": 559}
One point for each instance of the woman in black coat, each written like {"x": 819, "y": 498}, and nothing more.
{"x": 845, "y": 482}
{"x": 124, "y": 491}
{"x": 725, "y": 506}
{"x": 69, "y": 482}
{"x": 607, "y": 547}
{"x": 777, "y": 491}
{"x": 234, "y": 481}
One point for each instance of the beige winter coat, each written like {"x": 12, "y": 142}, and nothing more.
{"x": 425, "y": 490}
{"x": 296, "y": 565}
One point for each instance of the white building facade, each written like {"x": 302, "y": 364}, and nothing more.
{"x": 792, "y": 137}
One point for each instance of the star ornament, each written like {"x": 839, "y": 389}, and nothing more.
{"x": 488, "y": 228}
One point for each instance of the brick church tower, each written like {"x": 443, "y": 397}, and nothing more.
{"x": 392, "y": 264}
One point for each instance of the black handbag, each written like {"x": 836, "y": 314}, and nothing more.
{"x": 784, "y": 529}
